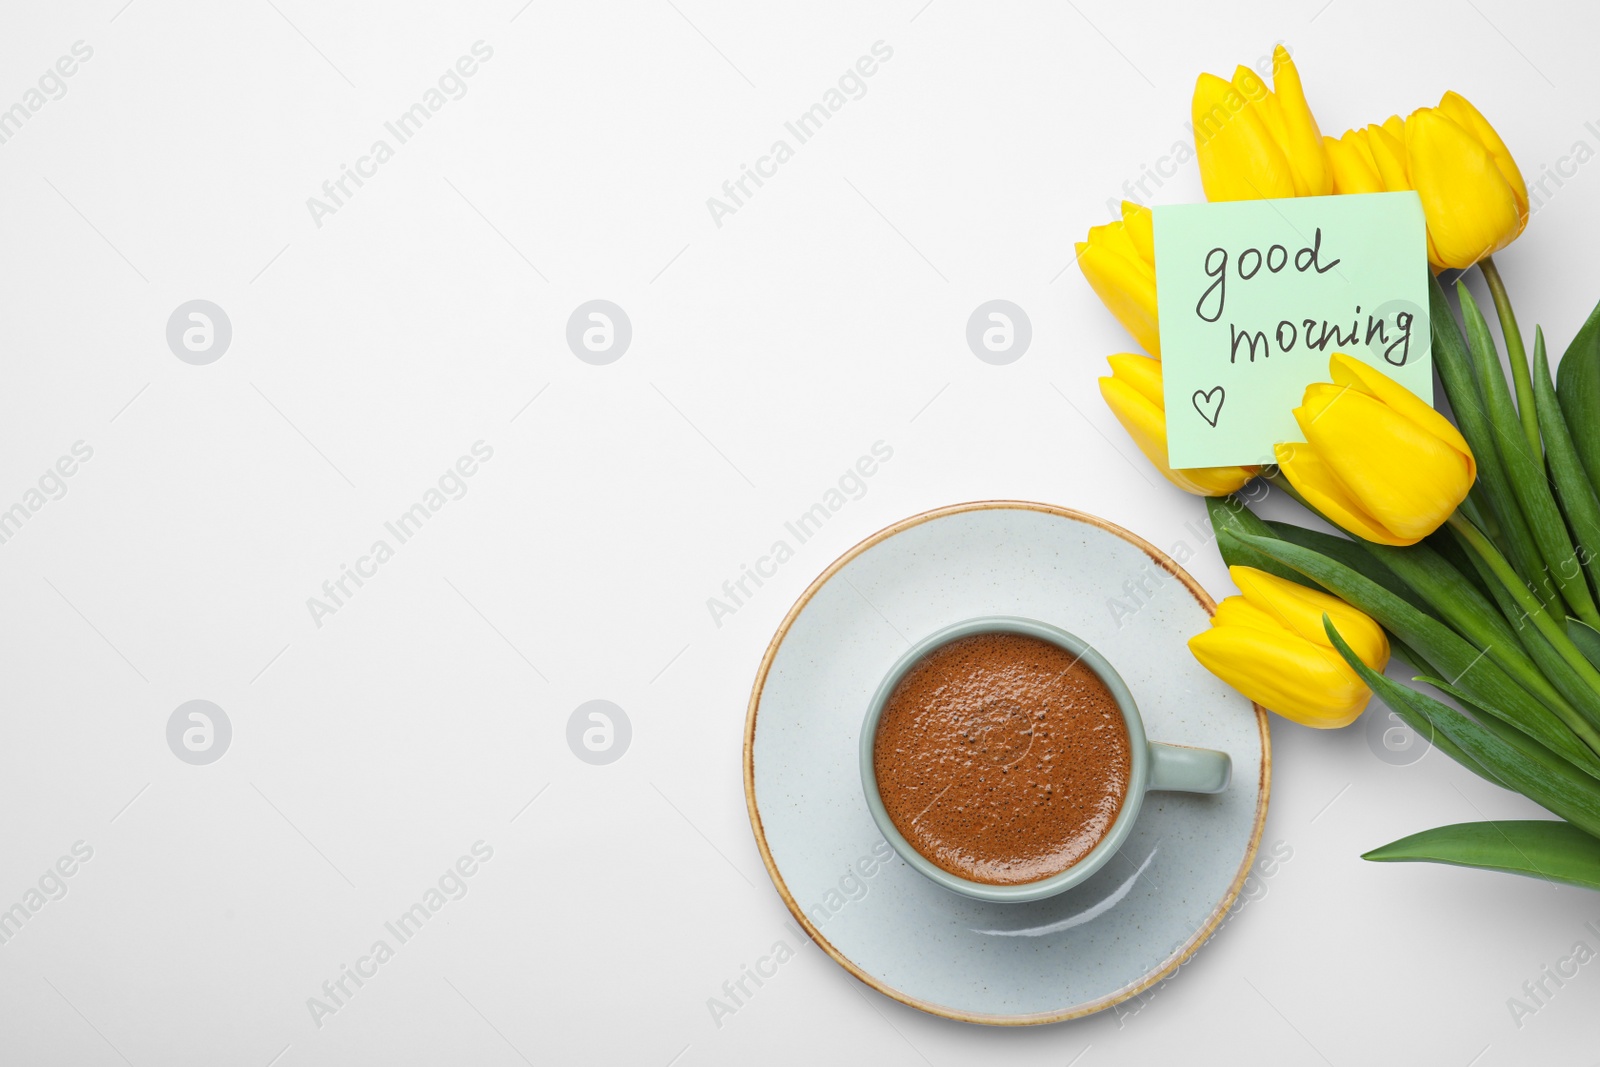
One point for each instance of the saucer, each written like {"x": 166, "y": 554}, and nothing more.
{"x": 1131, "y": 924}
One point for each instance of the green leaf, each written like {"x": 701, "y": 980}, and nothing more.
{"x": 1410, "y": 655}
{"x": 1422, "y": 728}
{"x": 1229, "y": 516}
{"x": 1578, "y": 388}
{"x": 1536, "y": 848}
{"x": 1476, "y": 507}
{"x": 1353, "y": 554}
{"x": 1552, "y": 783}
{"x": 1451, "y": 597}
{"x": 1576, "y": 676}
{"x": 1587, "y": 638}
{"x": 1553, "y": 668}
{"x": 1510, "y": 735}
{"x": 1454, "y": 364}
{"x": 1448, "y": 651}
{"x": 1526, "y": 470}
{"x": 1545, "y": 675}
{"x": 1444, "y": 542}
{"x": 1577, "y": 496}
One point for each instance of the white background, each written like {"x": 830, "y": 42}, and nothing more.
{"x": 767, "y": 355}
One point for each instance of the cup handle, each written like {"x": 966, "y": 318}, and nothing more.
{"x": 1181, "y": 769}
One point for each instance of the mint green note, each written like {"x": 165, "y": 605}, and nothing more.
{"x": 1255, "y": 295}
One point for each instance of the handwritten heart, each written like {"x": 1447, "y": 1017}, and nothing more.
{"x": 1208, "y": 407}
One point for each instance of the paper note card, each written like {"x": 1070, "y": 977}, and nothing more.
{"x": 1253, "y": 297}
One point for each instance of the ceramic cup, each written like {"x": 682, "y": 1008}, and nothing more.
{"x": 1174, "y": 768}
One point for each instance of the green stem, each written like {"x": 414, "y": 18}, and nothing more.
{"x": 1535, "y": 610}
{"x": 1516, "y": 355}
{"x": 1508, "y": 656}
{"x": 1479, "y": 502}
{"x": 1557, "y": 568}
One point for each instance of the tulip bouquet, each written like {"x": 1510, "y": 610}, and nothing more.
{"x": 1473, "y": 547}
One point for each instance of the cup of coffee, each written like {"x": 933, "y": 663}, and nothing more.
{"x": 1005, "y": 759}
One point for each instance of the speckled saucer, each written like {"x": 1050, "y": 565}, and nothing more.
{"x": 1092, "y": 947}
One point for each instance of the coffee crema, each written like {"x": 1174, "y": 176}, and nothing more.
{"x": 1002, "y": 758}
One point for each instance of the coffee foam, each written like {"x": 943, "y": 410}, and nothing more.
{"x": 1002, "y": 758}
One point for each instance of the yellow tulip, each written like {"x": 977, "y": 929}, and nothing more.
{"x": 1133, "y": 393}
{"x": 1119, "y": 259}
{"x": 1377, "y": 459}
{"x": 1473, "y": 195}
{"x": 1270, "y": 645}
{"x": 1255, "y": 143}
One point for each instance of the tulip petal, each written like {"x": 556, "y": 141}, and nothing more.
{"x": 1318, "y": 396}
{"x": 1471, "y": 209}
{"x": 1307, "y": 683}
{"x": 1251, "y": 86}
{"x": 1238, "y": 158}
{"x": 1114, "y": 237}
{"x": 1237, "y": 611}
{"x": 1302, "y": 140}
{"x": 1435, "y": 260}
{"x": 1139, "y": 224}
{"x": 1350, "y": 168}
{"x": 1145, "y": 420}
{"x": 1210, "y": 481}
{"x": 1254, "y": 89}
{"x": 1405, "y": 478}
{"x": 1300, "y": 609}
{"x": 1359, "y": 140}
{"x": 1126, "y": 286}
{"x": 1461, "y": 110}
{"x": 1140, "y": 372}
{"x": 1323, "y": 490}
{"x": 1270, "y": 644}
{"x": 1389, "y": 156}
{"x": 1347, "y": 370}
